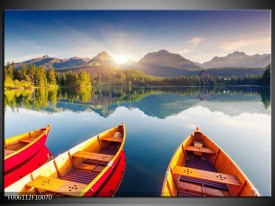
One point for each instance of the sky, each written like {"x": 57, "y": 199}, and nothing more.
{"x": 196, "y": 35}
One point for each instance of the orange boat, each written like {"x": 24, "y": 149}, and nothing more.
{"x": 21, "y": 147}
{"x": 88, "y": 169}
{"x": 199, "y": 167}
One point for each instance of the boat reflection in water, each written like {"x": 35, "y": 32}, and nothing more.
{"x": 34, "y": 162}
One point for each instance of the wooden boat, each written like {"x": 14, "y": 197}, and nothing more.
{"x": 21, "y": 147}
{"x": 84, "y": 170}
{"x": 111, "y": 186}
{"x": 34, "y": 162}
{"x": 199, "y": 167}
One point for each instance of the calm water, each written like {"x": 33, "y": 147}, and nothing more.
{"x": 157, "y": 121}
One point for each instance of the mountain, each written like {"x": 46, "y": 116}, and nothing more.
{"x": 57, "y": 63}
{"x": 238, "y": 60}
{"x": 164, "y": 63}
{"x": 102, "y": 59}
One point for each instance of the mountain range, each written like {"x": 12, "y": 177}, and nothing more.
{"x": 238, "y": 59}
{"x": 161, "y": 63}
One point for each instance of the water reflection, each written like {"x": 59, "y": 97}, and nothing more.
{"x": 157, "y": 120}
{"x": 156, "y": 102}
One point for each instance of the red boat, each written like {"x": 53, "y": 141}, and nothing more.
{"x": 38, "y": 159}
{"x": 111, "y": 185}
{"x": 92, "y": 168}
{"x": 21, "y": 147}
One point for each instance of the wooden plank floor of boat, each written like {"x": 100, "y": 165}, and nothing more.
{"x": 198, "y": 162}
{"x": 80, "y": 176}
{"x": 201, "y": 189}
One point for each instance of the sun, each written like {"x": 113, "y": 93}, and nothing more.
{"x": 121, "y": 58}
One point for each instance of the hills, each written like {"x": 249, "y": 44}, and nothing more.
{"x": 102, "y": 59}
{"x": 56, "y": 63}
{"x": 238, "y": 59}
{"x": 162, "y": 63}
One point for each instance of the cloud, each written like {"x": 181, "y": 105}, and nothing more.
{"x": 195, "y": 41}
{"x": 235, "y": 45}
{"x": 248, "y": 44}
{"x": 185, "y": 51}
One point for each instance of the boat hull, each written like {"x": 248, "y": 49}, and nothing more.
{"x": 113, "y": 180}
{"x": 38, "y": 159}
{"x": 26, "y": 152}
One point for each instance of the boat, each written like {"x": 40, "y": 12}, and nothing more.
{"x": 111, "y": 186}
{"x": 87, "y": 169}
{"x": 199, "y": 167}
{"x": 34, "y": 162}
{"x": 19, "y": 148}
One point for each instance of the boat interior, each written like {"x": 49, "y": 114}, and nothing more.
{"x": 189, "y": 186}
{"x": 71, "y": 172}
{"x": 200, "y": 173}
{"x": 18, "y": 142}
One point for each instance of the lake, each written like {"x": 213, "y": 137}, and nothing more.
{"x": 157, "y": 120}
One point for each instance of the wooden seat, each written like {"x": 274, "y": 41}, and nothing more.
{"x": 112, "y": 139}
{"x": 200, "y": 149}
{"x": 206, "y": 175}
{"x": 51, "y": 184}
{"x": 27, "y": 140}
{"x": 93, "y": 156}
{"x": 201, "y": 189}
{"x": 8, "y": 151}
{"x": 85, "y": 166}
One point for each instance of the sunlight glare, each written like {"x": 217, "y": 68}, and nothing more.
{"x": 121, "y": 59}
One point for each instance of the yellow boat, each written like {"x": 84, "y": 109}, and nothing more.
{"x": 199, "y": 167}
{"x": 87, "y": 169}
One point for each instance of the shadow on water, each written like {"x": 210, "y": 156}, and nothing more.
{"x": 154, "y": 101}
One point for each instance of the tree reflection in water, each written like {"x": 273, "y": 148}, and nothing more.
{"x": 108, "y": 98}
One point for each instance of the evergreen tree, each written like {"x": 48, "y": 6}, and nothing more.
{"x": 40, "y": 79}
{"x": 9, "y": 72}
{"x": 24, "y": 73}
{"x": 32, "y": 72}
{"x": 70, "y": 80}
{"x": 16, "y": 74}
{"x": 265, "y": 78}
{"x": 51, "y": 77}
{"x": 83, "y": 79}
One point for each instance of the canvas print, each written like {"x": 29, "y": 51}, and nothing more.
{"x": 137, "y": 103}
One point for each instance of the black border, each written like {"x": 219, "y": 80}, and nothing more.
{"x": 131, "y": 5}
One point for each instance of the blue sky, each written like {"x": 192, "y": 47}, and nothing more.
{"x": 196, "y": 35}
